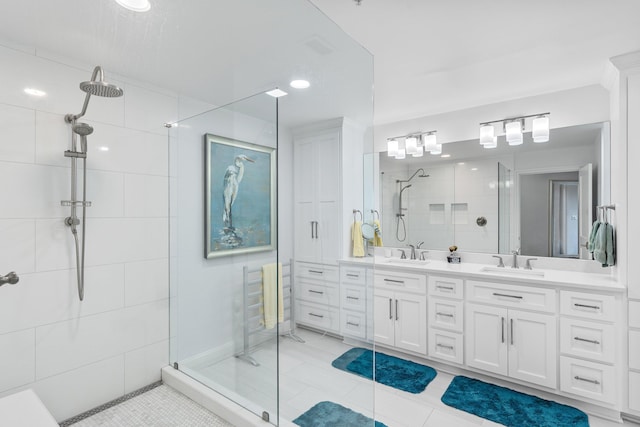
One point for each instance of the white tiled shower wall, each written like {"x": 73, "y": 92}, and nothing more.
{"x": 79, "y": 355}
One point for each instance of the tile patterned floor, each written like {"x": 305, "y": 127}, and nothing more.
{"x": 160, "y": 407}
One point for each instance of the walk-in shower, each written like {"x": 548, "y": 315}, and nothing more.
{"x": 96, "y": 86}
{"x": 400, "y": 215}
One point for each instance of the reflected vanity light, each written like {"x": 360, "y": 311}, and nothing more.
{"x": 401, "y": 154}
{"x": 414, "y": 144}
{"x": 419, "y": 151}
{"x": 411, "y": 144}
{"x": 514, "y": 128}
{"x": 392, "y": 147}
{"x": 437, "y": 150}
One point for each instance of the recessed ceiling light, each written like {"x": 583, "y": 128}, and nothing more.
{"x": 103, "y": 148}
{"x": 135, "y": 5}
{"x": 276, "y": 93}
{"x": 461, "y": 163}
{"x": 474, "y": 169}
{"x": 34, "y": 92}
{"x": 300, "y": 84}
{"x": 446, "y": 156}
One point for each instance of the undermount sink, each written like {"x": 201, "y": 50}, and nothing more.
{"x": 508, "y": 271}
{"x": 406, "y": 261}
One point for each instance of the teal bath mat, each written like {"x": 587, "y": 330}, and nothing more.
{"x": 392, "y": 371}
{"x": 329, "y": 414}
{"x": 509, "y": 407}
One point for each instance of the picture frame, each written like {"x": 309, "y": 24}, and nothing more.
{"x": 240, "y": 197}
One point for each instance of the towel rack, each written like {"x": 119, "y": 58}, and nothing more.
{"x": 355, "y": 218}
{"x": 252, "y": 315}
{"x": 375, "y": 213}
{"x": 604, "y": 209}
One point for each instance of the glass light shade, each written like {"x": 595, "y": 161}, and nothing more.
{"x": 135, "y": 5}
{"x": 492, "y": 144}
{"x": 540, "y": 129}
{"x": 514, "y": 132}
{"x": 411, "y": 145}
{"x": 486, "y": 134}
{"x": 401, "y": 154}
{"x": 430, "y": 141}
{"x": 419, "y": 152}
{"x": 392, "y": 147}
{"x": 437, "y": 150}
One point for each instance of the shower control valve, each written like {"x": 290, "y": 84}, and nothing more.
{"x": 71, "y": 221}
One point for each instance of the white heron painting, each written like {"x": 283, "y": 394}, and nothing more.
{"x": 240, "y": 197}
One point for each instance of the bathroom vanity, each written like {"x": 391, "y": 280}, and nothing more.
{"x": 559, "y": 332}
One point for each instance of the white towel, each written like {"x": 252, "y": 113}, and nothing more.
{"x": 272, "y": 300}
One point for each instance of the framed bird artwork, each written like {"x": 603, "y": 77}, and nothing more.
{"x": 240, "y": 197}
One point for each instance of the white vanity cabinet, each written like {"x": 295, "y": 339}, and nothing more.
{"x": 446, "y": 318}
{"x": 511, "y": 331}
{"x": 317, "y": 294}
{"x": 355, "y": 301}
{"x": 400, "y": 310}
{"x": 588, "y": 342}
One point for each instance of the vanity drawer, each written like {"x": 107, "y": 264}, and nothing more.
{"x": 445, "y": 286}
{"x": 353, "y": 275}
{"x": 634, "y": 314}
{"x": 409, "y": 282}
{"x": 446, "y": 346}
{"x": 634, "y": 349}
{"x": 319, "y": 294}
{"x": 589, "y": 306}
{"x": 446, "y": 314}
{"x": 317, "y": 271}
{"x": 353, "y": 297}
{"x": 588, "y": 379}
{"x": 353, "y": 324}
{"x": 317, "y": 316}
{"x": 587, "y": 339}
{"x": 525, "y": 297}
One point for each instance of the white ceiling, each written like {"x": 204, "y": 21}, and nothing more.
{"x": 430, "y": 56}
{"x": 438, "y": 56}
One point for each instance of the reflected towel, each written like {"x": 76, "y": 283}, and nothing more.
{"x": 272, "y": 299}
{"x": 377, "y": 237}
{"x": 356, "y": 236}
{"x": 591, "y": 244}
{"x": 611, "y": 246}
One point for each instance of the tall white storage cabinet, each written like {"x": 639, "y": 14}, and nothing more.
{"x": 627, "y": 148}
{"x": 327, "y": 188}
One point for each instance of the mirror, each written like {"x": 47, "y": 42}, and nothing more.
{"x": 499, "y": 200}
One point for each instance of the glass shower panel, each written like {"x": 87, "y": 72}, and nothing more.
{"x": 225, "y": 303}
{"x": 504, "y": 208}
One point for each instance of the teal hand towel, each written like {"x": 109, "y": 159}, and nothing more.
{"x": 610, "y": 248}
{"x": 600, "y": 245}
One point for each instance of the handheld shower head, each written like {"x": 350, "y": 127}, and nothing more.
{"x": 82, "y": 129}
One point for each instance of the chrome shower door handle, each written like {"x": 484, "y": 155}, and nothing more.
{"x": 10, "y": 278}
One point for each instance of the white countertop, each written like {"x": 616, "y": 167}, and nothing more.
{"x": 550, "y": 278}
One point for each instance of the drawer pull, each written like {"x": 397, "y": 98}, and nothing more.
{"x": 586, "y": 340}
{"x": 316, "y": 271}
{"x": 444, "y": 314}
{"x": 390, "y": 315}
{"x": 355, "y": 298}
{"x": 353, "y": 275}
{"x": 507, "y": 295}
{"x": 595, "y": 307}
{"x": 396, "y": 309}
{"x": 357, "y": 325}
{"x": 588, "y": 380}
{"x": 502, "y": 330}
{"x": 448, "y": 347}
{"x": 316, "y": 292}
{"x": 449, "y": 288}
{"x": 316, "y": 315}
{"x": 394, "y": 281}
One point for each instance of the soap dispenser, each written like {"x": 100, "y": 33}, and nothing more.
{"x": 453, "y": 257}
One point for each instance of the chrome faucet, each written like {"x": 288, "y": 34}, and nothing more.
{"x": 402, "y": 254}
{"x": 500, "y": 262}
{"x": 528, "y": 265}
{"x": 515, "y": 258}
{"x": 413, "y": 251}
{"x": 11, "y": 278}
{"x": 422, "y": 255}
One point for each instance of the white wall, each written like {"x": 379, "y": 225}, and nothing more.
{"x": 77, "y": 355}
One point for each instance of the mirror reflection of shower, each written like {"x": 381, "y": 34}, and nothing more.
{"x": 96, "y": 86}
{"x": 400, "y": 223}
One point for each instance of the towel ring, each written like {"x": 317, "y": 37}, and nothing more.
{"x": 376, "y": 214}
{"x": 355, "y": 218}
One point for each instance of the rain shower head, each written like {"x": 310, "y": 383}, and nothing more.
{"x": 96, "y": 86}
{"x": 82, "y": 129}
{"x": 101, "y": 88}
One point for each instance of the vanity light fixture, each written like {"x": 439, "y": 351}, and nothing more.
{"x": 414, "y": 144}
{"x": 135, "y": 5}
{"x": 513, "y": 128}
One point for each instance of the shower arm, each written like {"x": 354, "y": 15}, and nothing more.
{"x": 71, "y": 118}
